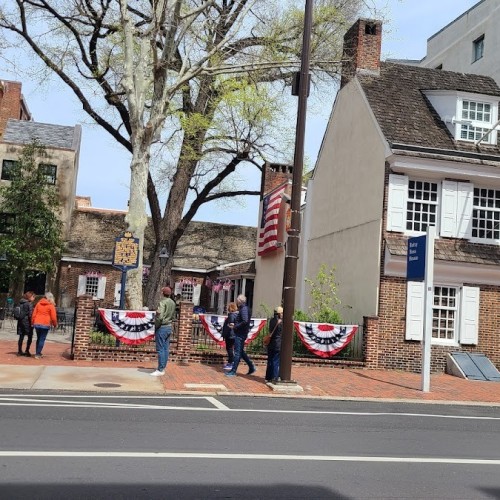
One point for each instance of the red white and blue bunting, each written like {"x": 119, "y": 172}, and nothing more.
{"x": 129, "y": 327}
{"x": 324, "y": 339}
{"x": 212, "y": 323}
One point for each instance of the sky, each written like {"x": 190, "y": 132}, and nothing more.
{"x": 104, "y": 164}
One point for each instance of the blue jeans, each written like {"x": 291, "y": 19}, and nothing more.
{"x": 273, "y": 364}
{"x": 162, "y": 339}
{"x": 41, "y": 335}
{"x": 239, "y": 352}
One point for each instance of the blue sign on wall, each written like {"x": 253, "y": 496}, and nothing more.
{"x": 415, "y": 259}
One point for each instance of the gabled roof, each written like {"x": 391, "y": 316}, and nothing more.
{"x": 405, "y": 115}
{"x": 203, "y": 246}
{"x": 55, "y": 136}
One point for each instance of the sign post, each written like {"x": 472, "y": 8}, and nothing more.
{"x": 125, "y": 257}
{"x": 420, "y": 266}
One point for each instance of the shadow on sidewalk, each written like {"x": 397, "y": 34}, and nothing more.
{"x": 359, "y": 374}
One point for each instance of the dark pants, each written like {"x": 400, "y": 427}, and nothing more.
{"x": 29, "y": 336}
{"x": 230, "y": 350}
{"x": 41, "y": 335}
{"x": 239, "y": 352}
{"x": 273, "y": 364}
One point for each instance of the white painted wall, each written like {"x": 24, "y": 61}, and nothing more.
{"x": 453, "y": 45}
{"x": 345, "y": 206}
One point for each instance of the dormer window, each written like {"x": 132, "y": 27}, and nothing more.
{"x": 476, "y": 121}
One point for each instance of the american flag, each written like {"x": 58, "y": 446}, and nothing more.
{"x": 268, "y": 234}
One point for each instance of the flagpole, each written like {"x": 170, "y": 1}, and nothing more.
{"x": 292, "y": 244}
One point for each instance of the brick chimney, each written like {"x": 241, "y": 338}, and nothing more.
{"x": 12, "y": 104}
{"x": 362, "y": 49}
{"x": 274, "y": 175}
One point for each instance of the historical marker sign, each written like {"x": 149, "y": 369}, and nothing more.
{"x": 126, "y": 252}
{"x": 415, "y": 261}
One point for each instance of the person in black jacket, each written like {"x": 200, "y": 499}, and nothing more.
{"x": 228, "y": 334}
{"x": 24, "y": 326}
{"x": 274, "y": 346}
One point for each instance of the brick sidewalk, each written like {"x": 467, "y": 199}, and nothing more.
{"x": 316, "y": 382}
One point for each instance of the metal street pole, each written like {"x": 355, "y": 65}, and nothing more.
{"x": 292, "y": 245}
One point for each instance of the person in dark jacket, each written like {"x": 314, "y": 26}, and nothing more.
{"x": 228, "y": 333}
{"x": 274, "y": 346}
{"x": 241, "y": 328}
{"x": 24, "y": 325}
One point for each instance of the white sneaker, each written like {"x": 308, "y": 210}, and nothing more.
{"x": 157, "y": 373}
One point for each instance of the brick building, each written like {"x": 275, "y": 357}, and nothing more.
{"x": 407, "y": 147}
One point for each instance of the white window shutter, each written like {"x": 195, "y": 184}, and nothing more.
{"x": 469, "y": 317}
{"x": 397, "y": 203}
{"x": 177, "y": 288}
{"x": 448, "y": 226}
{"x": 465, "y": 202}
{"x": 196, "y": 294}
{"x": 414, "y": 310}
{"x": 82, "y": 285}
{"x": 101, "y": 287}
{"x": 116, "y": 301}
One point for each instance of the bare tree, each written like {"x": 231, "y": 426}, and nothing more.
{"x": 195, "y": 83}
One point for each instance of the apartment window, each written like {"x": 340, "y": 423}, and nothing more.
{"x": 444, "y": 313}
{"x": 92, "y": 286}
{"x": 478, "y": 48}
{"x": 7, "y": 222}
{"x": 8, "y": 169}
{"x": 422, "y": 205}
{"x": 49, "y": 171}
{"x": 478, "y": 115}
{"x": 486, "y": 214}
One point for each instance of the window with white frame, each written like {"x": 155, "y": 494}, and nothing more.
{"x": 187, "y": 292}
{"x": 478, "y": 116}
{"x": 93, "y": 284}
{"x": 444, "y": 313}
{"x": 455, "y": 313}
{"x": 486, "y": 214}
{"x": 422, "y": 205}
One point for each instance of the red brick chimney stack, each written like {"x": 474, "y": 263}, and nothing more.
{"x": 362, "y": 49}
{"x": 12, "y": 104}
{"x": 274, "y": 175}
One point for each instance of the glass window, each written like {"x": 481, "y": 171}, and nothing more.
{"x": 479, "y": 116}
{"x": 8, "y": 169}
{"x": 444, "y": 313}
{"x": 478, "y": 48}
{"x": 49, "y": 171}
{"x": 92, "y": 286}
{"x": 486, "y": 214}
{"x": 187, "y": 292}
{"x": 422, "y": 205}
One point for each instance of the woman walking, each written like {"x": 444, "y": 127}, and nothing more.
{"x": 24, "y": 324}
{"x": 44, "y": 316}
{"x": 274, "y": 346}
{"x": 228, "y": 334}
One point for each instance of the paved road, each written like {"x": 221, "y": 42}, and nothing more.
{"x": 95, "y": 446}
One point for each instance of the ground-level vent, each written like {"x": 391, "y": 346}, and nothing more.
{"x": 472, "y": 366}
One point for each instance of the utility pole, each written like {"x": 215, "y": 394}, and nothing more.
{"x": 292, "y": 244}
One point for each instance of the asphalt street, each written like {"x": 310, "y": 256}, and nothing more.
{"x": 72, "y": 445}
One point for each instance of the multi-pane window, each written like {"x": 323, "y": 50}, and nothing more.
{"x": 422, "y": 205}
{"x": 187, "y": 292}
{"x": 7, "y": 222}
{"x": 478, "y": 48}
{"x": 92, "y": 286}
{"x": 49, "y": 171}
{"x": 444, "y": 313}
{"x": 479, "y": 116}
{"x": 8, "y": 169}
{"x": 486, "y": 214}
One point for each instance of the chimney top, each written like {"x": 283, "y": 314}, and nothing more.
{"x": 362, "y": 49}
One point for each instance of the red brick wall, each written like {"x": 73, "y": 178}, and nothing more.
{"x": 362, "y": 48}
{"x": 274, "y": 175}
{"x": 10, "y": 103}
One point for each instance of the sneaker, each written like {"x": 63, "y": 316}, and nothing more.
{"x": 38, "y": 356}
{"x": 252, "y": 370}
{"x": 157, "y": 373}
{"x": 230, "y": 374}
{"x": 27, "y": 354}
{"x": 20, "y": 354}
{"x": 228, "y": 367}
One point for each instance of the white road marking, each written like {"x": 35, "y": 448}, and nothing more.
{"x": 217, "y": 403}
{"x": 235, "y": 456}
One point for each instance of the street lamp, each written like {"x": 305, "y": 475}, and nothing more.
{"x": 164, "y": 255}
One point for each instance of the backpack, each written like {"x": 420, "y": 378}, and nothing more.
{"x": 18, "y": 312}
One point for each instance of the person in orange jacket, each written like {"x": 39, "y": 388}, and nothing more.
{"x": 44, "y": 316}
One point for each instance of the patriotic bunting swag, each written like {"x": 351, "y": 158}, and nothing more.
{"x": 130, "y": 327}
{"x": 213, "y": 325}
{"x": 324, "y": 339}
